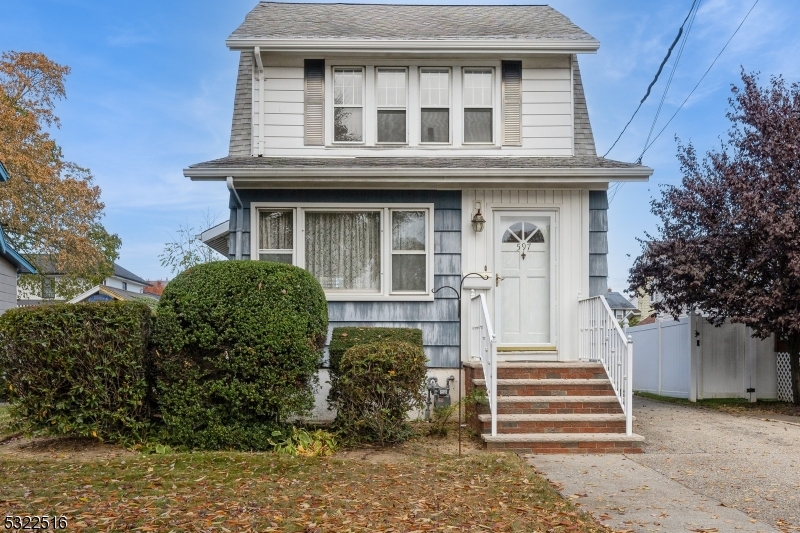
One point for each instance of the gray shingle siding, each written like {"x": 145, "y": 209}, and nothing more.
{"x": 242, "y": 124}
{"x": 583, "y": 139}
{"x": 270, "y": 20}
{"x": 598, "y": 242}
{"x": 438, "y": 320}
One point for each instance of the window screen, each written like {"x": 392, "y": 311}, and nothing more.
{"x": 435, "y": 105}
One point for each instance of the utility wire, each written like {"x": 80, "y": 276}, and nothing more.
{"x": 655, "y": 79}
{"x": 698, "y": 83}
{"x": 692, "y": 14}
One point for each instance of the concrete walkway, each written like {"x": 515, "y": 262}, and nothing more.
{"x": 701, "y": 470}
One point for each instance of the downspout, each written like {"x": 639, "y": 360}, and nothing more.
{"x": 239, "y": 216}
{"x": 260, "y": 65}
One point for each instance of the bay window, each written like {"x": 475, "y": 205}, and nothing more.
{"x": 478, "y": 107}
{"x": 359, "y": 252}
{"x": 434, "y": 97}
{"x": 391, "y": 103}
{"x": 348, "y": 105}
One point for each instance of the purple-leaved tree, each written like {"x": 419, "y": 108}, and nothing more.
{"x": 729, "y": 239}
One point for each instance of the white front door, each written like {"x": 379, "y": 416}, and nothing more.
{"x": 523, "y": 290}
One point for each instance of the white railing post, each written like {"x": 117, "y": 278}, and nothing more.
{"x": 603, "y": 339}
{"x": 629, "y": 389}
{"x": 487, "y": 350}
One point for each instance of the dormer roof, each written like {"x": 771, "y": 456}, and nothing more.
{"x": 280, "y": 26}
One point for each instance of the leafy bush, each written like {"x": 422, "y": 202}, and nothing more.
{"x": 342, "y": 339}
{"x": 238, "y": 345}
{"x": 78, "y": 369}
{"x": 298, "y": 441}
{"x": 379, "y": 383}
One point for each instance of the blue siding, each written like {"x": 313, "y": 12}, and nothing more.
{"x": 598, "y": 242}
{"x": 438, "y": 320}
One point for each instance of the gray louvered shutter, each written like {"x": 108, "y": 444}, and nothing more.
{"x": 512, "y": 103}
{"x": 315, "y": 102}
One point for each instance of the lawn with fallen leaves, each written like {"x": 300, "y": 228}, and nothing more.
{"x": 241, "y": 492}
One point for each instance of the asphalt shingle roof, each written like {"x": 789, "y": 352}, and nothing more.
{"x": 617, "y": 301}
{"x": 272, "y": 20}
{"x": 493, "y": 162}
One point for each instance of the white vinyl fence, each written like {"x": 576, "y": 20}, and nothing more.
{"x": 690, "y": 358}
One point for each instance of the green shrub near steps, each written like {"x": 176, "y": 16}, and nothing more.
{"x": 344, "y": 338}
{"x": 378, "y": 384}
{"x": 78, "y": 369}
{"x": 238, "y": 345}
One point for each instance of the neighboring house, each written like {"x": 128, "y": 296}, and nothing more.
{"x": 12, "y": 265}
{"x": 104, "y": 293}
{"x": 122, "y": 278}
{"x": 644, "y": 302}
{"x": 391, "y": 150}
{"x": 620, "y": 306}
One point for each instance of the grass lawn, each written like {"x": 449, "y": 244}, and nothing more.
{"x": 732, "y": 405}
{"x": 408, "y": 488}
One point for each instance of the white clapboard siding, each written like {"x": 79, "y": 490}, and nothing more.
{"x": 283, "y": 84}
{"x": 283, "y": 119}
{"x": 547, "y": 121}
{"x": 282, "y": 109}
{"x": 283, "y": 72}
{"x": 272, "y": 130}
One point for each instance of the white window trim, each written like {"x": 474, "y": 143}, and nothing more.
{"x": 450, "y": 106}
{"x": 391, "y": 108}
{"x": 259, "y": 251}
{"x": 364, "y": 109}
{"x": 464, "y": 107}
{"x": 333, "y": 295}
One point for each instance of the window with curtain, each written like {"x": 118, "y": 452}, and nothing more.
{"x": 348, "y": 104}
{"x": 276, "y": 236}
{"x": 391, "y": 100}
{"x": 434, "y": 96}
{"x": 478, "y": 105}
{"x": 343, "y": 250}
{"x": 409, "y": 257}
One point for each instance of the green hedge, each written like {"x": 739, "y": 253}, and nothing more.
{"x": 238, "y": 345}
{"x": 378, "y": 384}
{"x": 78, "y": 369}
{"x": 344, "y": 338}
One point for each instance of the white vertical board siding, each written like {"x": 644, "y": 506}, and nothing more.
{"x": 282, "y": 109}
{"x": 547, "y": 109}
{"x": 571, "y": 240}
{"x": 8, "y": 286}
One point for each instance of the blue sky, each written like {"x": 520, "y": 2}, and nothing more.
{"x": 151, "y": 92}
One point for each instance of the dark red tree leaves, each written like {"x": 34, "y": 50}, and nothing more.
{"x": 729, "y": 242}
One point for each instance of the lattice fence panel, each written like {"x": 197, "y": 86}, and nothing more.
{"x": 784, "y": 377}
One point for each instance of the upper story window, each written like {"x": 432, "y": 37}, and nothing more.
{"x": 391, "y": 100}
{"x": 478, "y": 105}
{"x": 434, "y": 97}
{"x": 348, "y": 105}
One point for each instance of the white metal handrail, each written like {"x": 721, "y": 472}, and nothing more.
{"x": 485, "y": 342}
{"x": 602, "y": 339}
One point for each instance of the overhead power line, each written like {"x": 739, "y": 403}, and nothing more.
{"x": 700, "y": 81}
{"x": 655, "y": 78}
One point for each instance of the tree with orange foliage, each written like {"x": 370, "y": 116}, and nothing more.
{"x": 50, "y": 209}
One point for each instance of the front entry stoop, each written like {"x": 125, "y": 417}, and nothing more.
{"x": 551, "y": 408}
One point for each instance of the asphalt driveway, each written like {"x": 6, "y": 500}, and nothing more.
{"x": 701, "y": 470}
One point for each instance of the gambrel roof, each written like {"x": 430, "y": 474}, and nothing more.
{"x": 274, "y": 20}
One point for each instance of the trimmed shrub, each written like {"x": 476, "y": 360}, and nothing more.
{"x": 78, "y": 369}
{"x": 378, "y": 385}
{"x": 238, "y": 345}
{"x": 344, "y": 338}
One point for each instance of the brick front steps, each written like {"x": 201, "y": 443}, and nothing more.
{"x": 552, "y": 408}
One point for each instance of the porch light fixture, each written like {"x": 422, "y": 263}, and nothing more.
{"x": 478, "y": 221}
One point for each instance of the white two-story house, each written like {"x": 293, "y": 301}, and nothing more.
{"x": 392, "y": 150}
